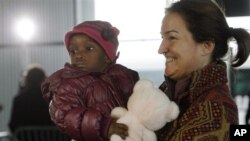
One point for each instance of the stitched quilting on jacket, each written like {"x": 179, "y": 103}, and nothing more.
{"x": 206, "y": 106}
{"x": 81, "y": 102}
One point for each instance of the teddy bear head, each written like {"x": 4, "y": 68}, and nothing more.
{"x": 152, "y": 107}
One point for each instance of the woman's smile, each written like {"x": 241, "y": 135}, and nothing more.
{"x": 169, "y": 60}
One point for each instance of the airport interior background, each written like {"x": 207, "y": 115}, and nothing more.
{"x": 32, "y": 31}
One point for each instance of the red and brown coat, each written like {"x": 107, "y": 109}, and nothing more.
{"x": 207, "y": 108}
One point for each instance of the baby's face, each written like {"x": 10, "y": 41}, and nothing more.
{"x": 86, "y": 54}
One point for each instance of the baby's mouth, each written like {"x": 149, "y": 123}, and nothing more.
{"x": 79, "y": 64}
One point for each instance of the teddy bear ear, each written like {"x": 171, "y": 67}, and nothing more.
{"x": 142, "y": 84}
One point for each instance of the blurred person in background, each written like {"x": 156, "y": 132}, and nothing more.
{"x": 1, "y": 107}
{"x": 247, "y": 118}
{"x": 29, "y": 108}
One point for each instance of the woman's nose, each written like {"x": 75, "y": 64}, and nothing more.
{"x": 163, "y": 48}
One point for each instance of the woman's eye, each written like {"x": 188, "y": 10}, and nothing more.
{"x": 171, "y": 37}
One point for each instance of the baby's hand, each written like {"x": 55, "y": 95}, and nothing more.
{"x": 118, "y": 129}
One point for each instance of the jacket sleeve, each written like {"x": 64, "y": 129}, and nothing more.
{"x": 205, "y": 121}
{"x": 49, "y": 86}
{"x": 84, "y": 114}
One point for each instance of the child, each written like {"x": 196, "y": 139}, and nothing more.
{"x": 83, "y": 93}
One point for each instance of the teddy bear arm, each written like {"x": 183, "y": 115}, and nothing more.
{"x": 118, "y": 112}
{"x": 174, "y": 111}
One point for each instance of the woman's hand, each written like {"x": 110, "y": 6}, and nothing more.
{"x": 118, "y": 128}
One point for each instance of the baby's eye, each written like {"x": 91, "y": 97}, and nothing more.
{"x": 72, "y": 51}
{"x": 89, "y": 48}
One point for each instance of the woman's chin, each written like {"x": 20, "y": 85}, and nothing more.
{"x": 170, "y": 73}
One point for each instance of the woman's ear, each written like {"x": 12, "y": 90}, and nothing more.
{"x": 207, "y": 47}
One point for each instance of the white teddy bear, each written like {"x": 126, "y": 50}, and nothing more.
{"x": 149, "y": 109}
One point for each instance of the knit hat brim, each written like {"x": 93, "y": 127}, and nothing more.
{"x": 108, "y": 47}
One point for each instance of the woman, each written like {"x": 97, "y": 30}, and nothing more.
{"x": 194, "y": 41}
{"x": 29, "y": 107}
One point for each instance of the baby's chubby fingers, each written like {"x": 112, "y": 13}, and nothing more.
{"x": 118, "y": 129}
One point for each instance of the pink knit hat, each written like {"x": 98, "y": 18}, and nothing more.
{"x": 102, "y": 32}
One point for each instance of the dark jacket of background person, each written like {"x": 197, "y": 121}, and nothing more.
{"x": 1, "y": 107}
{"x": 29, "y": 108}
{"x": 247, "y": 118}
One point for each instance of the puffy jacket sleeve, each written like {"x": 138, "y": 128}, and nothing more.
{"x": 82, "y": 113}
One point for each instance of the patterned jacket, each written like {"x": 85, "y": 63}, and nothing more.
{"x": 81, "y": 102}
{"x": 206, "y": 106}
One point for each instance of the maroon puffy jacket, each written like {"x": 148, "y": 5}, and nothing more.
{"x": 81, "y": 102}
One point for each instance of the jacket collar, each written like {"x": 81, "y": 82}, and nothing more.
{"x": 195, "y": 84}
{"x": 73, "y": 72}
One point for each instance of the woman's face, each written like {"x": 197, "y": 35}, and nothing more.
{"x": 86, "y": 54}
{"x": 183, "y": 54}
